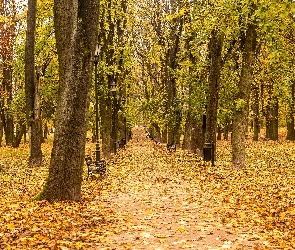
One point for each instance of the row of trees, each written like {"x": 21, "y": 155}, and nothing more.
{"x": 18, "y": 48}
{"x": 230, "y": 60}
{"x": 172, "y": 62}
{"x": 29, "y": 46}
{"x": 50, "y": 76}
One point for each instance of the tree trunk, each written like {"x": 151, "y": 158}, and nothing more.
{"x": 105, "y": 109}
{"x": 242, "y": 100}
{"x": 76, "y": 33}
{"x": 45, "y": 132}
{"x": 20, "y": 130}
{"x": 197, "y": 137}
{"x": 256, "y": 124}
{"x": 290, "y": 117}
{"x": 105, "y": 102}
{"x": 226, "y": 130}
{"x": 173, "y": 108}
{"x": 274, "y": 120}
{"x": 1, "y": 130}
{"x": 187, "y": 132}
{"x": 7, "y": 86}
{"x": 106, "y": 128}
{"x": 219, "y": 132}
{"x": 164, "y": 136}
{"x": 32, "y": 87}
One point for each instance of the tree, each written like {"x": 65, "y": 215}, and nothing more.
{"x": 76, "y": 25}
{"x": 32, "y": 88}
{"x": 243, "y": 96}
{"x": 7, "y": 38}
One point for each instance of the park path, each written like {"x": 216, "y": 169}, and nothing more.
{"x": 159, "y": 208}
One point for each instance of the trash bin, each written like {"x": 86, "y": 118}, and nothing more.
{"x": 207, "y": 150}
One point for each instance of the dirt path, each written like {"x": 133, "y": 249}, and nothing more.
{"x": 160, "y": 208}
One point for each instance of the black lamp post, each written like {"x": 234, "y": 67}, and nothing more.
{"x": 123, "y": 101}
{"x": 114, "y": 94}
{"x": 100, "y": 165}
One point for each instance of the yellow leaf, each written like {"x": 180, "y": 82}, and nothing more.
{"x": 145, "y": 235}
{"x": 181, "y": 229}
{"x": 127, "y": 245}
{"x": 35, "y": 228}
{"x": 10, "y": 226}
{"x": 79, "y": 245}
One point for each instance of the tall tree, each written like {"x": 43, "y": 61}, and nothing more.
{"x": 32, "y": 88}
{"x": 7, "y": 39}
{"x": 76, "y": 24}
{"x": 243, "y": 96}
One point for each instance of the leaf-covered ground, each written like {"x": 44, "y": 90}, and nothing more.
{"x": 153, "y": 199}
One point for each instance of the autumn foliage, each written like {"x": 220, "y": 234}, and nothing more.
{"x": 155, "y": 199}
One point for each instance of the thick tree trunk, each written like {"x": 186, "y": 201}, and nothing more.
{"x": 32, "y": 88}
{"x": 76, "y": 33}
{"x": 242, "y": 100}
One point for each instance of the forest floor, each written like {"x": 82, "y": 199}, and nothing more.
{"x": 155, "y": 199}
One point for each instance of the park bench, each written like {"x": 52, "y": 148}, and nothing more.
{"x": 94, "y": 168}
{"x": 171, "y": 147}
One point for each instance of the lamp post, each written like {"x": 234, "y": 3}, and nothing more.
{"x": 123, "y": 101}
{"x": 98, "y": 163}
{"x": 114, "y": 93}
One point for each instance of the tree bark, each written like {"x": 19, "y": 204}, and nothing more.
{"x": 76, "y": 36}
{"x": 32, "y": 88}
{"x": 242, "y": 100}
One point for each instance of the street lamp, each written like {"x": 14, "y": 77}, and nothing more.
{"x": 123, "y": 101}
{"x": 114, "y": 93}
{"x": 100, "y": 165}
